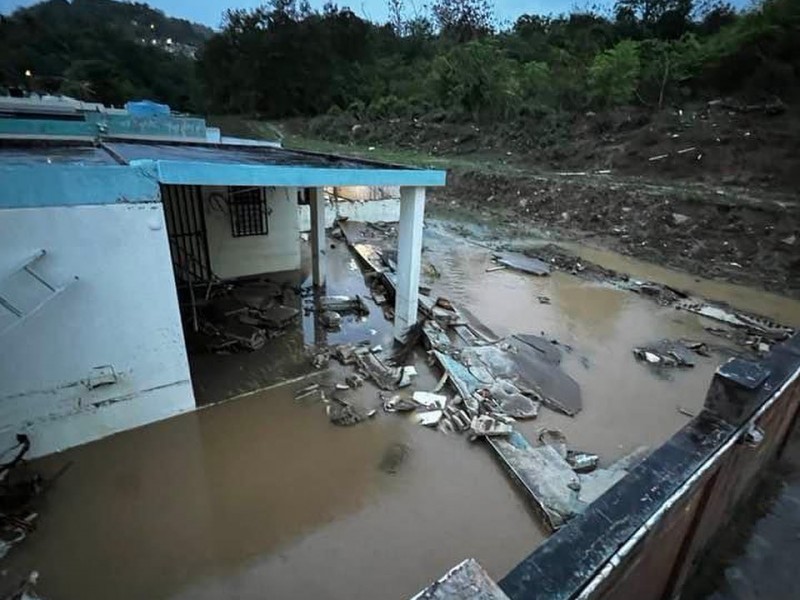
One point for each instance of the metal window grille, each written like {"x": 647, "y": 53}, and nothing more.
{"x": 186, "y": 230}
{"x": 248, "y": 210}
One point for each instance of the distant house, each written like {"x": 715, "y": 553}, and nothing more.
{"x": 103, "y": 214}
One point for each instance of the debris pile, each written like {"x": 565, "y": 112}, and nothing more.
{"x": 20, "y": 487}
{"x": 25, "y": 590}
{"x": 755, "y": 333}
{"x": 751, "y": 331}
{"x": 332, "y": 308}
{"x": 244, "y": 315}
{"x": 497, "y": 382}
{"x": 466, "y": 580}
{"x": 668, "y": 353}
{"x": 561, "y": 483}
{"x": 369, "y": 365}
{"x": 523, "y": 263}
{"x": 393, "y": 458}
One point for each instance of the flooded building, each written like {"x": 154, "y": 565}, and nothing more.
{"x": 530, "y": 420}
{"x": 107, "y": 218}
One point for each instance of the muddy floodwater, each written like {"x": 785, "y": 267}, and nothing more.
{"x": 261, "y": 497}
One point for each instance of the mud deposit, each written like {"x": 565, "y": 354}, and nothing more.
{"x": 264, "y": 497}
{"x": 725, "y": 234}
{"x": 708, "y": 187}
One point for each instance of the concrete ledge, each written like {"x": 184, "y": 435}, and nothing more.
{"x": 113, "y": 416}
{"x": 569, "y": 564}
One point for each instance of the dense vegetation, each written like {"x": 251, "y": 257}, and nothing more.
{"x": 286, "y": 59}
{"x": 101, "y": 50}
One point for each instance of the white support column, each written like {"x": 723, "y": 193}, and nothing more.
{"x": 409, "y": 257}
{"x": 318, "y": 253}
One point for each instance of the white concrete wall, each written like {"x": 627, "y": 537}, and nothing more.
{"x": 279, "y": 250}
{"x": 372, "y": 211}
{"x": 365, "y": 192}
{"x": 122, "y": 312}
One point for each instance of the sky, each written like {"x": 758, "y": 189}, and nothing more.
{"x": 209, "y": 12}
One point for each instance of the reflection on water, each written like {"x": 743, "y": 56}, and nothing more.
{"x": 262, "y": 497}
{"x": 784, "y": 310}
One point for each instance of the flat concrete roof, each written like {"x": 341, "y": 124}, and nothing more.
{"x": 57, "y": 172}
{"x": 245, "y": 155}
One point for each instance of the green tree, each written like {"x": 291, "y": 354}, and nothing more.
{"x": 614, "y": 74}
{"x": 463, "y": 20}
{"x": 476, "y": 79}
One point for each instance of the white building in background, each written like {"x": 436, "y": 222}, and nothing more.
{"x": 102, "y": 214}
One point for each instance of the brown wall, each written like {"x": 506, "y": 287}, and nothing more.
{"x": 660, "y": 562}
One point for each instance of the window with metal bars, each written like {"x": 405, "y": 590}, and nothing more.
{"x": 248, "y": 210}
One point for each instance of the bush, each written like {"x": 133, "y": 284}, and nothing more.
{"x": 536, "y": 85}
{"x": 476, "y": 78}
{"x": 388, "y": 106}
{"x": 614, "y": 74}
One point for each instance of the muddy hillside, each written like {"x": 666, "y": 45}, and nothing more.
{"x": 707, "y": 187}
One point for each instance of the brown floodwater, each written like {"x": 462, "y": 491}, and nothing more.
{"x": 263, "y": 497}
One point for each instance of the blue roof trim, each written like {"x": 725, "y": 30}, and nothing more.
{"x": 25, "y": 186}
{"x": 198, "y": 173}
{"x": 72, "y": 185}
{"x": 25, "y": 128}
{"x": 109, "y": 126}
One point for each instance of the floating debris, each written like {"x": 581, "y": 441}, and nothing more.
{"x": 556, "y": 490}
{"x": 397, "y": 403}
{"x": 330, "y": 319}
{"x": 511, "y": 401}
{"x": 486, "y": 425}
{"x": 407, "y": 374}
{"x": 354, "y": 381}
{"x": 342, "y": 413}
{"x": 429, "y": 418}
{"x": 429, "y": 400}
{"x": 459, "y": 418}
{"x": 393, "y": 458}
{"x": 20, "y": 486}
{"x": 440, "y": 384}
{"x": 321, "y": 358}
{"x": 544, "y": 474}
{"x": 243, "y": 316}
{"x": 556, "y": 439}
{"x": 668, "y": 353}
{"x": 520, "y": 262}
{"x": 467, "y": 580}
{"x": 307, "y": 391}
{"x": 344, "y": 304}
{"x": 25, "y": 589}
{"x": 582, "y": 462}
